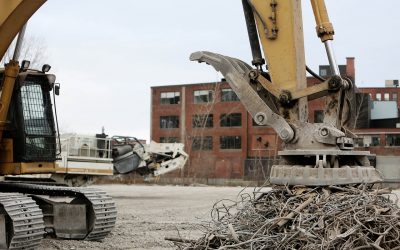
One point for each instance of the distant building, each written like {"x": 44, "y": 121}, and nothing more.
{"x": 208, "y": 118}
{"x": 383, "y": 135}
{"x": 223, "y": 141}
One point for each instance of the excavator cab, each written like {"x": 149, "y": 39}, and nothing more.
{"x": 31, "y": 125}
{"x": 30, "y": 131}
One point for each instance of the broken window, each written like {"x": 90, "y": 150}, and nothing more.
{"x": 393, "y": 140}
{"x": 169, "y": 122}
{"x": 170, "y": 97}
{"x": 230, "y": 142}
{"x": 202, "y": 143}
{"x": 228, "y": 95}
{"x": 203, "y": 96}
{"x": 231, "y": 120}
{"x": 202, "y": 121}
{"x": 169, "y": 139}
{"x": 318, "y": 116}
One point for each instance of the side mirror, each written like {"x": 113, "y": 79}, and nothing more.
{"x": 57, "y": 89}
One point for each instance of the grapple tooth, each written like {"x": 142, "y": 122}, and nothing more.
{"x": 228, "y": 66}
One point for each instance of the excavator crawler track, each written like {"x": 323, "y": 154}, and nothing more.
{"x": 25, "y": 224}
{"x": 105, "y": 212}
{"x": 100, "y": 205}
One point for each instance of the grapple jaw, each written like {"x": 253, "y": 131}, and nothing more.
{"x": 236, "y": 73}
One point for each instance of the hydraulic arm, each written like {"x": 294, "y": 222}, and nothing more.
{"x": 278, "y": 95}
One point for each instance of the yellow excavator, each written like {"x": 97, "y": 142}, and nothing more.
{"x": 30, "y": 145}
{"x": 275, "y": 93}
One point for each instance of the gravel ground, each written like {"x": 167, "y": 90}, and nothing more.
{"x": 147, "y": 214}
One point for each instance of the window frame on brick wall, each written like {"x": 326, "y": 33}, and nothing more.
{"x": 169, "y": 139}
{"x": 386, "y": 96}
{"x": 227, "y": 120}
{"x": 204, "y": 143}
{"x": 394, "y": 141}
{"x": 394, "y": 96}
{"x": 203, "y": 96}
{"x": 230, "y": 142}
{"x": 202, "y": 121}
{"x": 378, "y": 96}
{"x": 369, "y": 140}
{"x": 170, "y": 122}
{"x": 375, "y": 141}
{"x": 359, "y": 142}
{"x": 323, "y": 72}
{"x": 170, "y": 97}
{"x": 318, "y": 116}
{"x": 228, "y": 95}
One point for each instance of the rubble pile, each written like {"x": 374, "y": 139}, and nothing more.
{"x": 335, "y": 217}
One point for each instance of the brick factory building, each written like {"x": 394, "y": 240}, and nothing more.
{"x": 222, "y": 140}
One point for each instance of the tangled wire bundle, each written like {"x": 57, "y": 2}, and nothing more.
{"x": 303, "y": 218}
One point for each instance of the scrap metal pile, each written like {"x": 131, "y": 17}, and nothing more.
{"x": 335, "y": 217}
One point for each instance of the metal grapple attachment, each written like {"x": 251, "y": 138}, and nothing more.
{"x": 314, "y": 154}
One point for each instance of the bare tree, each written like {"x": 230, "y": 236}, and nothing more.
{"x": 199, "y": 125}
{"x": 33, "y": 49}
{"x": 361, "y": 110}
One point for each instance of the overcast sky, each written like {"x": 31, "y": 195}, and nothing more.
{"x": 107, "y": 54}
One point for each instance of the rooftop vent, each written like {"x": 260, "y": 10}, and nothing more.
{"x": 391, "y": 83}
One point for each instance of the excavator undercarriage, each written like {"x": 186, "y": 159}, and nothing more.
{"x": 31, "y": 211}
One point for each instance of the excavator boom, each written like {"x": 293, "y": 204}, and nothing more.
{"x": 14, "y": 14}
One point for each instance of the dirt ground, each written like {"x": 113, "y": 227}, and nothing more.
{"x": 147, "y": 214}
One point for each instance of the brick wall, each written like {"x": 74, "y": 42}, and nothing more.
{"x": 256, "y": 142}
